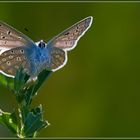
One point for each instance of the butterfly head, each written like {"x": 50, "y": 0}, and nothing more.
{"x": 41, "y": 44}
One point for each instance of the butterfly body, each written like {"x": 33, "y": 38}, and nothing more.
{"x": 39, "y": 60}
{"x": 17, "y": 50}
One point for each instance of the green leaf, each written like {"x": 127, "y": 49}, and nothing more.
{"x": 9, "y": 120}
{"x": 34, "y": 122}
{"x": 20, "y": 79}
{"x": 7, "y": 81}
{"x": 14, "y": 84}
{"x": 28, "y": 122}
{"x": 41, "y": 78}
{"x": 31, "y": 90}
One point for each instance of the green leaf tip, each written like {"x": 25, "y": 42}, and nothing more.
{"x": 34, "y": 122}
{"x": 9, "y": 120}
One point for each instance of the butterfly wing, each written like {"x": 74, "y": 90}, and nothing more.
{"x": 58, "y": 58}
{"x": 11, "y": 60}
{"x": 68, "y": 39}
{"x": 13, "y": 46}
{"x": 11, "y": 38}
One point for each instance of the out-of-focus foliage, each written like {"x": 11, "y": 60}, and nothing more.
{"x": 24, "y": 122}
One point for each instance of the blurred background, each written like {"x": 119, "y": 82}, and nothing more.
{"x": 97, "y": 94}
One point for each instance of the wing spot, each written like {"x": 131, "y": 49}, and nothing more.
{"x": 3, "y": 37}
{"x": 3, "y": 59}
{"x": 10, "y": 56}
{"x": 12, "y": 51}
{"x": 22, "y": 51}
{"x": 18, "y": 59}
{"x": 67, "y": 33}
{"x": 8, "y": 32}
{"x": 57, "y": 56}
{"x": 3, "y": 54}
{"x": 8, "y": 63}
{"x": 77, "y": 30}
{"x": 19, "y": 37}
{"x": 10, "y": 71}
{"x": 25, "y": 57}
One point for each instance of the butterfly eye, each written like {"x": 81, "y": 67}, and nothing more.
{"x": 41, "y": 44}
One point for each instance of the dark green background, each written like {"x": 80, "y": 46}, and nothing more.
{"x": 97, "y": 94}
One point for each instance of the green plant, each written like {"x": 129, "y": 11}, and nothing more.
{"x": 24, "y": 121}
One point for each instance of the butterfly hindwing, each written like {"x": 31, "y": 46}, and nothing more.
{"x": 11, "y": 60}
{"x": 68, "y": 39}
{"x": 58, "y": 58}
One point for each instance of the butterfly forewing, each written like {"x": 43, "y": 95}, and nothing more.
{"x": 11, "y": 38}
{"x": 68, "y": 39}
{"x": 12, "y": 54}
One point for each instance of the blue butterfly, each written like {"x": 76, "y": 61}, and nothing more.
{"x": 17, "y": 50}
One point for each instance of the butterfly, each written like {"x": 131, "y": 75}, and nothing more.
{"x": 16, "y": 49}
